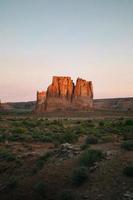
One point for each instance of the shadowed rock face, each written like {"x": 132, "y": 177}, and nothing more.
{"x": 40, "y": 104}
{"x": 63, "y": 94}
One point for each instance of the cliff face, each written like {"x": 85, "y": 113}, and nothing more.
{"x": 63, "y": 94}
{"x": 61, "y": 87}
{"x": 83, "y": 94}
{"x": 40, "y": 103}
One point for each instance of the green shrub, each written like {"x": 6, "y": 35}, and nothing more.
{"x": 69, "y": 137}
{"x": 43, "y": 159}
{"x": 91, "y": 140}
{"x": 19, "y": 130}
{"x": 40, "y": 188}
{"x": 2, "y": 138}
{"x": 90, "y": 156}
{"x": 84, "y": 146}
{"x": 19, "y": 137}
{"x": 12, "y": 183}
{"x": 30, "y": 123}
{"x": 129, "y": 122}
{"x": 5, "y": 154}
{"x": 128, "y": 171}
{"x": 128, "y": 136}
{"x": 127, "y": 145}
{"x": 79, "y": 175}
{"x": 101, "y": 123}
{"x": 46, "y": 138}
{"x": 106, "y": 138}
{"x": 67, "y": 195}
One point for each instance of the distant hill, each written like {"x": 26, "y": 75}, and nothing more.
{"x": 22, "y": 106}
{"x": 124, "y": 104}
{"x": 121, "y": 104}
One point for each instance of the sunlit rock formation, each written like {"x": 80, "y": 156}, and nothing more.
{"x": 63, "y": 94}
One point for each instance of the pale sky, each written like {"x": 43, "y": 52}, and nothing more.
{"x": 91, "y": 39}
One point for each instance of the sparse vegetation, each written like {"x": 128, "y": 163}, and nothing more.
{"x": 24, "y": 139}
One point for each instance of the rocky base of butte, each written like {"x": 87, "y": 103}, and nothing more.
{"x": 63, "y": 94}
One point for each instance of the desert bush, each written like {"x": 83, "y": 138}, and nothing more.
{"x": 101, "y": 123}
{"x": 5, "y": 154}
{"x": 20, "y": 130}
{"x": 128, "y": 122}
{"x": 128, "y": 136}
{"x": 46, "y": 138}
{"x": 40, "y": 188}
{"x": 128, "y": 171}
{"x": 30, "y": 123}
{"x": 127, "y": 145}
{"x": 69, "y": 137}
{"x": 67, "y": 195}
{"x": 91, "y": 140}
{"x": 90, "y": 156}
{"x": 2, "y": 137}
{"x": 79, "y": 175}
{"x": 43, "y": 159}
{"x": 12, "y": 183}
{"x": 17, "y": 123}
{"x": 84, "y": 146}
{"x": 19, "y": 137}
{"x": 106, "y": 138}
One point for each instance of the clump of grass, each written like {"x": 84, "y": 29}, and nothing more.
{"x": 5, "y": 154}
{"x": 128, "y": 171}
{"x": 127, "y": 145}
{"x": 79, "y": 175}
{"x": 67, "y": 195}
{"x": 90, "y": 156}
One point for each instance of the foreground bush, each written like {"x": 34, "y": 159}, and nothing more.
{"x": 67, "y": 195}
{"x": 5, "y": 154}
{"x": 40, "y": 188}
{"x": 91, "y": 140}
{"x": 129, "y": 122}
{"x": 128, "y": 136}
{"x": 79, "y": 175}
{"x": 128, "y": 171}
{"x": 128, "y": 145}
{"x": 90, "y": 156}
{"x": 43, "y": 159}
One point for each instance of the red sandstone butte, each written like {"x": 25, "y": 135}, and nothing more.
{"x": 62, "y": 94}
{"x": 40, "y": 103}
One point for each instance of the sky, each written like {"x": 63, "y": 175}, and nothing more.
{"x": 91, "y": 39}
